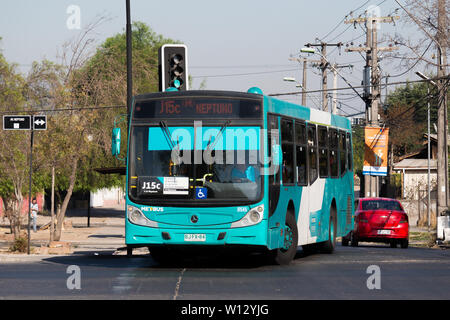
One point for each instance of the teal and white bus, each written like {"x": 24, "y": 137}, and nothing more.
{"x": 222, "y": 168}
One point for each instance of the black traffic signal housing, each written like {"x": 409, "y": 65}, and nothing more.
{"x": 173, "y": 67}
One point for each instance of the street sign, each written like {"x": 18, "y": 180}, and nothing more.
{"x": 24, "y": 122}
{"x": 39, "y": 122}
{"x": 16, "y": 122}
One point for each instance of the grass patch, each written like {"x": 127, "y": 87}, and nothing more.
{"x": 424, "y": 238}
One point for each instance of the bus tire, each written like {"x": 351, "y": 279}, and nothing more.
{"x": 285, "y": 255}
{"x": 329, "y": 245}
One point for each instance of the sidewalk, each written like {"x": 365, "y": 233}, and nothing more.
{"x": 106, "y": 231}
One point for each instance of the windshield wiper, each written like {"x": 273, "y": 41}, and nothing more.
{"x": 212, "y": 143}
{"x": 170, "y": 142}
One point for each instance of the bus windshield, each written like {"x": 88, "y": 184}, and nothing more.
{"x": 195, "y": 163}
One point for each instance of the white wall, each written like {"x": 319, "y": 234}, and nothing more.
{"x": 413, "y": 179}
{"x": 107, "y": 197}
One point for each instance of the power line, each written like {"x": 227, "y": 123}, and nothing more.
{"x": 356, "y": 87}
{"x": 417, "y": 61}
{"x": 242, "y": 74}
{"x": 60, "y": 110}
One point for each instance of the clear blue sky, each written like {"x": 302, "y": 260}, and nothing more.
{"x": 224, "y": 37}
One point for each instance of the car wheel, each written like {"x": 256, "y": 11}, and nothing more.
{"x": 346, "y": 239}
{"x": 404, "y": 243}
{"x": 354, "y": 241}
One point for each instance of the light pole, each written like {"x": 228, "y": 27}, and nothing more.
{"x": 299, "y": 85}
{"x": 421, "y": 75}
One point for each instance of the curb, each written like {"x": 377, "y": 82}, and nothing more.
{"x": 20, "y": 258}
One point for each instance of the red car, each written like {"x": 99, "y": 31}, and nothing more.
{"x": 380, "y": 220}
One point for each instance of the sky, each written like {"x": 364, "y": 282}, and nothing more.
{"x": 232, "y": 45}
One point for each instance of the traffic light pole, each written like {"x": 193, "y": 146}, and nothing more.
{"x": 129, "y": 61}
{"x": 29, "y": 190}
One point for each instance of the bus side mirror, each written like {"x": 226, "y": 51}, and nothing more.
{"x": 115, "y": 142}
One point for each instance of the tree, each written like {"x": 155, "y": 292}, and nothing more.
{"x": 91, "y": 82}
{"x": 14, "y": 153}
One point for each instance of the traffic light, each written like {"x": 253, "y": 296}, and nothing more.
{"x": 173, "y": 67}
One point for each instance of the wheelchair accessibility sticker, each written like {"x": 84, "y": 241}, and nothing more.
{"x": 201, "y": 193}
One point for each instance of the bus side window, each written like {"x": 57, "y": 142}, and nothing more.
{"x": 301, "y": 150}
{"x": 323, "y": 152}
{"x": 287, "y": 146}
{"x": 274, "y": 178}
{"x": 272, "y": 124}
{"x": 342, "y": 152}
{"x": 349, "y": 152}
{"x": 334, "y": 166}
{"x": 312, "y": 153}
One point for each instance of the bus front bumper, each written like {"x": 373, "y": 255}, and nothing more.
{"x": 137, "y": 236}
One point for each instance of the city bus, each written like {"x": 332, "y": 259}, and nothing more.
{"x": 236, "y": 169}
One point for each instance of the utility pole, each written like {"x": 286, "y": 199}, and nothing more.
{"x": 372, "y": 77}
{"x": 442, "y": 135}
{"x": 305, "y": 69}
{"x": 335, "y": 77}
{"x": 324, "y": 67}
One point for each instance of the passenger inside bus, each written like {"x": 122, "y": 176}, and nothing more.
{"x": 243, "y": 171}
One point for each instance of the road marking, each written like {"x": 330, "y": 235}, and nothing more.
{"x": 177, "y": 287}
{"x": 122, "y": 282}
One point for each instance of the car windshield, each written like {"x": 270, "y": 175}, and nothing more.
{"x": 381, "y": 205}
{"x": 224, "y": 164}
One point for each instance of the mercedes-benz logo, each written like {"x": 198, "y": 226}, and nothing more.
{"x": 194, "y": 219}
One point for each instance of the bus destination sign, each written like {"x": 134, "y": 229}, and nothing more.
{"x": 198, "y": 108}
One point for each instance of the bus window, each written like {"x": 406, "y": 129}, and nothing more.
{"x": 272, "y": 124}
{"x": 349, "y": 152}
{"x": 274, "y": 178}
{"x": 334, "y": 167}
{"x": 312, "y": 152}
{"x": 301, "y": 150}
{"x": 342, "y": 152}
{"x": 287, "y": 146}
{"x": 323, "y": 152}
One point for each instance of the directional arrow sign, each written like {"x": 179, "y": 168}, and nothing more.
{"x": 39, "y": 122}
{"x": 16, "y": 122}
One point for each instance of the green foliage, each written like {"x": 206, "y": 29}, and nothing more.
{"x": 416, "y": 97}
{"x": 77, "y": 141}
{"x": 106, "y": 70}
{"x": 406, "y": 116}
{"x": 19, "y": 244}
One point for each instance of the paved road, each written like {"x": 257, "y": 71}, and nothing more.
{"x": 414, "y": 273}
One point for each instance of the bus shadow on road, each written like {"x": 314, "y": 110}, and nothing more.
{"x": 200, "y": 260}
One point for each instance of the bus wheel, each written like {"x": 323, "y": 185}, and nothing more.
{"x": 286, "y": 254}
{"x": 329, "y": 245}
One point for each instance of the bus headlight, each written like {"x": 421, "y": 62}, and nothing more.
{"x": 254, "y": 216}
{"x": 136, "y": 216}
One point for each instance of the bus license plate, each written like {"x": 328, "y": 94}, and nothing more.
{"x": 386, "y": 232}
{"x": 195, "y": 237}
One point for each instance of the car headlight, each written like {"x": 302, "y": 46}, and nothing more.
{"x": 136, "y": 216}
{"x": 254, "y": 216}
